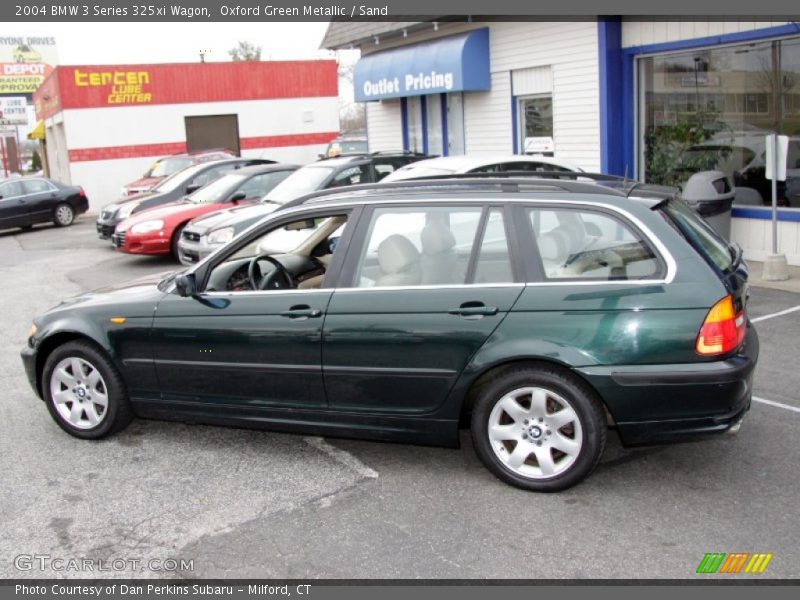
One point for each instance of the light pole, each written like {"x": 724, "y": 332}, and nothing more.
{"x": 697, "y": 60}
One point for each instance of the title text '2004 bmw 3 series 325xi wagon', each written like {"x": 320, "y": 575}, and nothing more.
{"x": 536, "y": 311}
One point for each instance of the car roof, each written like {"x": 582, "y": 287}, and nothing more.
{"x": 550, "y": 186}
{"x": 466, "y": 162}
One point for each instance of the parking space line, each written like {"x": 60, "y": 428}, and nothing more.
{"x": 777, "y": 314}
{"x": 776, "y": 404}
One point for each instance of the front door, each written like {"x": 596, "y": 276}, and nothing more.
{"x": 237, "y": 346}
{"x": 427, "y": 287}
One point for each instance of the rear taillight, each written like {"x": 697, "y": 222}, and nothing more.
{"x": 723, "y": 329}
{"x": 82, "y": 193}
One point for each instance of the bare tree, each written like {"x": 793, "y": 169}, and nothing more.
{"x": 245, "y": 51}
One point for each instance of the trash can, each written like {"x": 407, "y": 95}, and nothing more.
{"x": 711, "y": 193}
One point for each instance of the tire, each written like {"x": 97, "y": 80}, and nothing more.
{"x": 176, "y": 238}
{"x": 63, "y": 215}
{"x": 99, "y": 394}
{"x": 549, "y": 410}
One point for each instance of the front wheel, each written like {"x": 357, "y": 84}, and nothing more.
{"x": 63, "y": 215}
{"x": 84, "y": 392}
{"x": 538, "y": 429}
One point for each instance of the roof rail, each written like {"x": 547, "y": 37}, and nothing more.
{"x": 469, "y": 182}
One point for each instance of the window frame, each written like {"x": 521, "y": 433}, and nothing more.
{"x": 203, "y": 271}
{"x": 535, "y": 273}
{"x": 50, "y": 186}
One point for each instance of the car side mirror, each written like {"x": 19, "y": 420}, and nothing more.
{"x": 193, "y": 187}
{"x": 186, "y": 285}
{"x": 238, "y": 196}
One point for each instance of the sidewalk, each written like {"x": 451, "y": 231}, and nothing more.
{"x": 790, "y": 285}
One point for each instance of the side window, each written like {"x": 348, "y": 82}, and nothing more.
{"x": 208, "y": 176}
{"x": 9, "y": 189}
{"x": 493, "y": 263}
{"x": 258, "y": 186}
{"x": 351, "y": 176}
{"x": 36, "y": 186}
{"x": 488, "y": 169}
{"x": 414, "y": 246}
{"x": 294, "y": 255}
{"x": 533, "y": 167}
{"x": 583, "y": 244}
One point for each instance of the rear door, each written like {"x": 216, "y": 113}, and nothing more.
{"x": 41, "y": 198}
{"x": 421, "y": 290}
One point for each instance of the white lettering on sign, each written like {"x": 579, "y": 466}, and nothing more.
{"x": 411, "y": 83}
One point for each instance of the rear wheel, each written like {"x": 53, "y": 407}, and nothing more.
{"x": 84, "y": 392}
{"x": 63, "y": 215}
{"x": 539, "y": 429}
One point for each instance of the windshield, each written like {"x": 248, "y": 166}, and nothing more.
{"x": 217, "y": 190}
{"x": 303, "y": 181}
{"x": 167, "y": 166}
{"x": 176, "y": 180}
{"x": 410, "y": 172}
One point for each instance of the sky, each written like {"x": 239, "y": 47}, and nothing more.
{"x": 120, "y": 43}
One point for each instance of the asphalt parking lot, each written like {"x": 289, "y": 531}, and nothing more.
{"x": 259, "y": 504}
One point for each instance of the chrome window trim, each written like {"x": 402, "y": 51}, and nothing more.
{"x": 600, "y": 202}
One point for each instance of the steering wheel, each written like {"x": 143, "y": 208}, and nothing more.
{"x": 273, "y": 279}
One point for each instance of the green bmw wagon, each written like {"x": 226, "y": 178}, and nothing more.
{"x": 539, "y": 313}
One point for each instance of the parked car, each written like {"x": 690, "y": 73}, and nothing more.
{"x": 346, "y": 146}
{"x": 463, "y": 164}
{"x": 205, "y": 234}
{"x": 28, "y": 200}
{"x": 537, "y": 311}
{"x": 169, "y": 165}
{"x": 173, "y": 188}
{"x": 157, "y": 230}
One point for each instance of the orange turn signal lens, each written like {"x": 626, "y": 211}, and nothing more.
{"x": 723, "y": 329}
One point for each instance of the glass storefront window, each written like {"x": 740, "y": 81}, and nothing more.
{"x": 455, "y": 123}
{"x": 433, "y": 107}
{"x": 712, "y": 108}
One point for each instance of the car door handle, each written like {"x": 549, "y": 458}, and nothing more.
{"x": 474, "y": 310}
{"x": 302, "y": 311}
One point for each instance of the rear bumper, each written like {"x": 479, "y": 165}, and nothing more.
{"x": 668, "y": 403}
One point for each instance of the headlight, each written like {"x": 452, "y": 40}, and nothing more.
{"x": 127, "y": 209}
{"x": 148, "y": 226}
{"x": 32, "y": 331}
{"x": 221, "y": 236}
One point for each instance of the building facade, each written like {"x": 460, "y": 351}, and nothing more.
{"x": 653, "y": 100}
{"x": 104, "y": 125}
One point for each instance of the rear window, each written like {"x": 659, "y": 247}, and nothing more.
{"x": 699, "y": 234}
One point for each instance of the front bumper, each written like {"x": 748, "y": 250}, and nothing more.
{"x": 151, "y": 243}
{"x": 105, "y": 229}
{"x": 668, "y": 403}
{"x": 193, "y": 247}
{"x": 28, "y": 356}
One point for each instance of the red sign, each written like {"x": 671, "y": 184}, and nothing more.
{"x": 126, "y": 85}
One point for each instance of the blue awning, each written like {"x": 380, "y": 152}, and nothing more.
{"x": 452, "y": 64}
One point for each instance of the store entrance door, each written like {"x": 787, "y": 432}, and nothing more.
{"x": 208, "y": 132}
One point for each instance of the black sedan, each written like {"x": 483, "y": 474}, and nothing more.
{"x": 25, "y": 201}
{"x": 173, "y": 188}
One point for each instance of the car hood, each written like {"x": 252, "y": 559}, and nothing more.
{"x": 144, "y": 183}
{"x": 231, "y": 216}
{"x": 115, "y": 206}
{"x": 172, "y": 212}
{"x": 136, "y": 298}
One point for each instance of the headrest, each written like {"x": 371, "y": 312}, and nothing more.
{"x": 554, "y": 245}
{"x": 395, "y": 253}
{"x": 436, "y": 238}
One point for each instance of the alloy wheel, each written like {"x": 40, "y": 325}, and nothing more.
{"x": 79, "y": 393}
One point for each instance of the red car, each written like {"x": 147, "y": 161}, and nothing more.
{"x": 164, "y": 167}
{"x": 158, "y": 230}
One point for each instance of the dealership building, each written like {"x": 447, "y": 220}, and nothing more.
{"x": 103, "y": 126}
{"x": 653, "y": 100}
